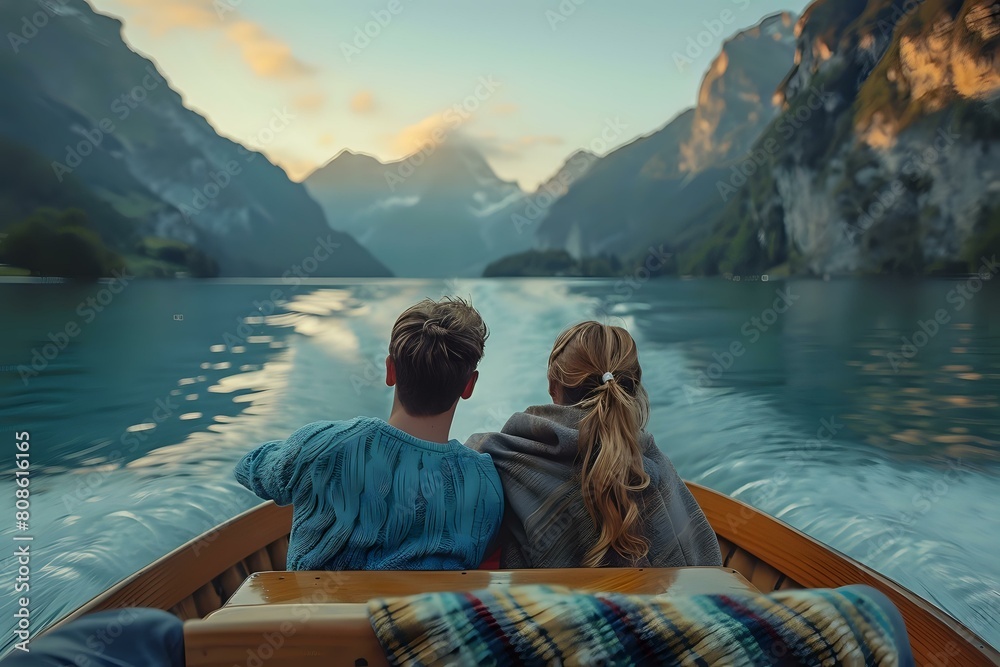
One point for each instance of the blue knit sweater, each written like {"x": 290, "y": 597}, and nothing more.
{"x": 368, "y": 496}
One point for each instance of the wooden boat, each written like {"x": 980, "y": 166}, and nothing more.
{"x": 205, "y": 577}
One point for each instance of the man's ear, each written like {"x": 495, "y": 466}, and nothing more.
{"x": 470, "y": 386}
{"x": 390, "y": 372}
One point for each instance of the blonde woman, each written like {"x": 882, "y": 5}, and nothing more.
{"x": 584, "y": 484}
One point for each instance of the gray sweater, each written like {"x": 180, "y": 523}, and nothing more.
{"x": 546, "y": 523}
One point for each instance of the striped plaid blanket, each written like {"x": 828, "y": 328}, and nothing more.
{"x": 541, "y": 625}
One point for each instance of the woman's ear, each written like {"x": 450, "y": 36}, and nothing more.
{"x": 555, "y": 392}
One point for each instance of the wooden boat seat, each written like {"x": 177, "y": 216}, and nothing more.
{"x": 287, "y": 635}
{"x": 332, "y": 587}
{"x": 320, "y": 618}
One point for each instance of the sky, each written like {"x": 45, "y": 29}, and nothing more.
{"x": 528, "y": 82}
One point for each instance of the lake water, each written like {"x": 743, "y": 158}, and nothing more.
{"x": 135, "y": 426}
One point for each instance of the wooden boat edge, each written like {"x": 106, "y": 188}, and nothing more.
{"x": 754, "y": 538}
{"x": 199, "y": 576}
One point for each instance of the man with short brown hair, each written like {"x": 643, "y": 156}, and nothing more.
{"x": 433, "y": 353}
{"x": 397, "y": 495}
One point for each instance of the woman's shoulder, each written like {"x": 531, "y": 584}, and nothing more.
{"x": 544, "y": 431}
{"x": 656, "y": 463}
{"x": 547, "y": 422}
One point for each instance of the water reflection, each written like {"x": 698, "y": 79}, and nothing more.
{"x": 902, "y": 476}
{"x": 906, "y": 481}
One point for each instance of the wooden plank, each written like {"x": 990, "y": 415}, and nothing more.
{"x": 935, "y": 637}
{"x": 169, "y": 580}
{"x": 765, "y": 578}
{"x": 348, "y": 587}
{"x": 787, "y": 583}
{"x": 207, "y": 600}
{"x": 186, "y": 609}
{"x": 302, "y": 636}
{"x": 743, "y": 562}
{"x": 728, "y": 549}
{"x": 231, "y": 580}
{"x": 259, "y": 561}
{"x": 279, "y": 553}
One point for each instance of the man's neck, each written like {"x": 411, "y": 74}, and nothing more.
{"x": 432, "y": 429}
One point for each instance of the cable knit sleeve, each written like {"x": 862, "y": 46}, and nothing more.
{"x": 269, "y": 469}
{"x": 266, "y": 470}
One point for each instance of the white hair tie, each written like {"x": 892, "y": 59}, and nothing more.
{"x": 606, "y": 378}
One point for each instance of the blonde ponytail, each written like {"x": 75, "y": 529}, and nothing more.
{"x": 597, "y": 368}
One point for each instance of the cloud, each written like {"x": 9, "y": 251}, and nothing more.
{"x": 267, "y": 56}
{"x": 310, "y": 102}
{"x": 540, "y": 140}
{"x": 162, "y": 17}
{"x": 363, "y": 102}
{"x": 326, "y": 140}
{"x": 516, "y": 148}
{"x": 505, "y": 109}
{"x": 431, "y": 131}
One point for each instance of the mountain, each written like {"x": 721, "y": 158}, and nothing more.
{"x": 663, "y": 185}
{"x": 120, "y": 145}
{"x": 898, "y": 169}
{"x": 444, "y": 202}
{"x": 512, "y": 230}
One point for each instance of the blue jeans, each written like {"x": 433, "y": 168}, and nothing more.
{"x": 118, "y": 638}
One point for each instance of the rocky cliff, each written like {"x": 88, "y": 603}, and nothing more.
{"x": 897, "y": 167}
{"x": 663, "y": 186}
